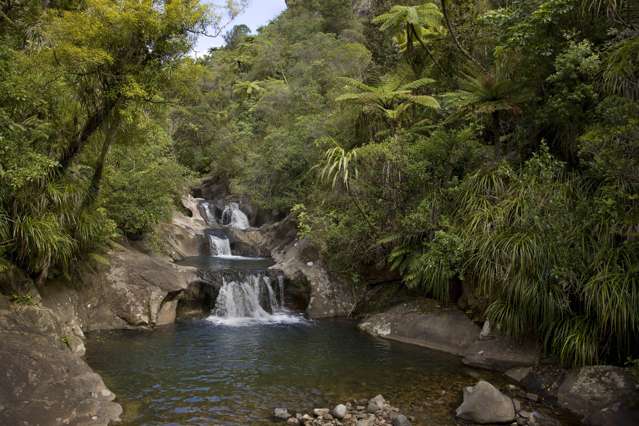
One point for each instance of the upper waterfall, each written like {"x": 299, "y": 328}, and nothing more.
{"x": 235, "y": 217}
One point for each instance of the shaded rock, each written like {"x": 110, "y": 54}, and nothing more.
{"x": 401, "y": 420}
{"x": 519, "y": 374}
{"x": 376, "y": 404}
{"x": 617, "y": 414}
{"x": 483, "y": 403}
{"x": 501, "y": 353}
{"x": 589, "y": 389}
{"x": 43, "y": 381}
{"x": 544, "y": 380}
{"x": 426, "y": 323}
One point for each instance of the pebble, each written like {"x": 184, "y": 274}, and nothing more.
{"x": 374, "y": 412}
{"x": 340, "y": 411}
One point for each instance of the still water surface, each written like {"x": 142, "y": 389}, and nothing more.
{"x": 199, "y": 372}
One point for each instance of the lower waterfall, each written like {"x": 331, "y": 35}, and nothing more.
{"x": 250, "y": 299}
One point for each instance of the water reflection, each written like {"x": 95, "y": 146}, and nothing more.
{"x": 199, "y": 373}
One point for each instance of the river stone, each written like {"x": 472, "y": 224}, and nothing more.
{"x": 281, "y": 414}
{"x": 321, "y": 412}
{"x": 588, "y": 389}
{"x": 483, "y": 403}
{"x": 376, "y": 404}
{"x": 340, "y": 411}
{"x": 401, "y": 420}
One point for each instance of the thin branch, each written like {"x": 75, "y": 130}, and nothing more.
{"x": 453, "y": 34}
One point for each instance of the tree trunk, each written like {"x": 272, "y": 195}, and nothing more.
{"x": 428, "y": 52}
{"x": 90, "y": 127}
{"x": 94, "y": 188}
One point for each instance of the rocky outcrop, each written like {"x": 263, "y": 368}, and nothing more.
{"x": 134, "y": 290}
{"x": 484, "y": 403}
{"x": 183, "y": 236}
{"x": 307, "y": 278}
{"x": 44, "y": 381}
{"x": 425, "y": 323}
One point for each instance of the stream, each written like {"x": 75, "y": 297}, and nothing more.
{"x": 252, "y": 354}
{"x": 201, "y": 372}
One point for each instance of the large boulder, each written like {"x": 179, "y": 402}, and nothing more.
{"x": 484, "y": 403}
{"x": 135, "y": 290}
{"x": 43, "y": 381}
{"x": 427, "y": 323}
{"x": 590, "y": 389}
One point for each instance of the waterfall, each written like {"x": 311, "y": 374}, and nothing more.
{"x": 220, "y": 246}
{"x": 206, "y": 212}
{"x": 235, "y": 217}
{"x": 249, "y": 299}
{"x": 280, "y": 285}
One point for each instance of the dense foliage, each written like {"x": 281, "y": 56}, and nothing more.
{"x": 86, "y": 152}
{"x": 488, "y": 146}
{"x": 492, "y": 146}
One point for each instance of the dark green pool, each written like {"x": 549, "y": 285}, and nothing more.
{"x": 200, "y": 373}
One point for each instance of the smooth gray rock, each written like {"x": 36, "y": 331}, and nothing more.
{"x": 483, "y": 403}
{"x": 376, "y": 404}
{"x": 135, "y": 290}
{"x": 425, "y": 323}
{"x": 340, "y": 411}
{"x": 401, "y": 420}
{"x": 519, "y": 374}
{"x": 281, "y": 414}
{"x": 589, "y": 389}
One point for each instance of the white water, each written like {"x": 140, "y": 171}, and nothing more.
{"x": 235, "y": 217}
{"x": 220, "y": 247}
{"x": 239, "y": 303}
{"x": 209, "y": 216}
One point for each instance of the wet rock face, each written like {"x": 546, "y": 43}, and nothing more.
{"x": 43, "y": 381}
{"x": 300, "y": 262}
{"x": 484, "y": 404}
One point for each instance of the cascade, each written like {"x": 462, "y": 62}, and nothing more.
{"x": 235, "y": 217}
{"x": 220, "y": 246}
{"x": 207, "y": 214}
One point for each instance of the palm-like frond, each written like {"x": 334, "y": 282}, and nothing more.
{"x": 339, "y": 163}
